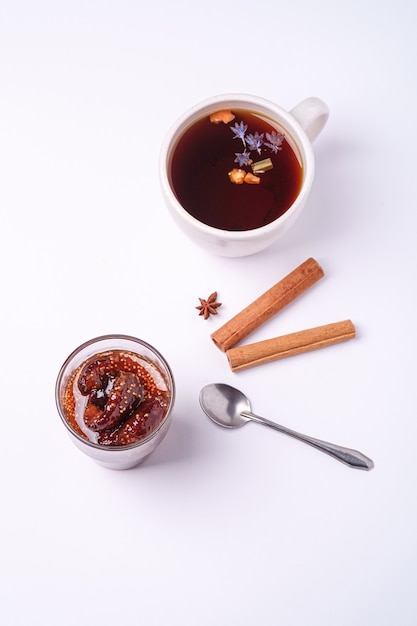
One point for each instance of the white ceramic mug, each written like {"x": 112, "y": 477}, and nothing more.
{"x": 300, "y": 126}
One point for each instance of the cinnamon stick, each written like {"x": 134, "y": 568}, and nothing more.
{"x": 269, "y": 303}
{"x": 269, "y": 350}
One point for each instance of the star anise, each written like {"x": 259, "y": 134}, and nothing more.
{"x": 209, "y": 307}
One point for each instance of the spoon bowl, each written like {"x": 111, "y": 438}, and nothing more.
{"x": 230, "y": 408}
{"x": 224, "y": 405}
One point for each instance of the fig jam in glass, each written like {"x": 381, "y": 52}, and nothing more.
{"x": 205, "y": 155}
{"x": 115, "y": 396}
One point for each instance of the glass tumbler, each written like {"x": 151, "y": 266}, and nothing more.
{"x": 117, "y": 457}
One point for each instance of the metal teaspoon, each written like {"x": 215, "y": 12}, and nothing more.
{"x": 230, "y": 408}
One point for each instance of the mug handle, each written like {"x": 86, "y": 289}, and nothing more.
{"x": 312, "y": 115}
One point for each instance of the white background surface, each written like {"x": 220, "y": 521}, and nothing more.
{"x": 218, "y": 527}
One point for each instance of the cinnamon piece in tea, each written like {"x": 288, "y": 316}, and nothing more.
{"x": 269, "y": 303}
{"x": 287, "y": 345}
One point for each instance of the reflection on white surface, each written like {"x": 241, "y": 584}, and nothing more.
{"x": 217, "y": 527}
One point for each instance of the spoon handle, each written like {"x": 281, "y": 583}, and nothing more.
{"x": 350, "y": 457}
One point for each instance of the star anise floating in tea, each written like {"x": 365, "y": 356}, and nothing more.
{"x": 209, "y": 307}
{"x": 252, "y": 142}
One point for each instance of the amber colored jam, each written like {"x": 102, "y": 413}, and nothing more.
{"x": 116, "y": 398}
{"x": 204, "y": 156}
